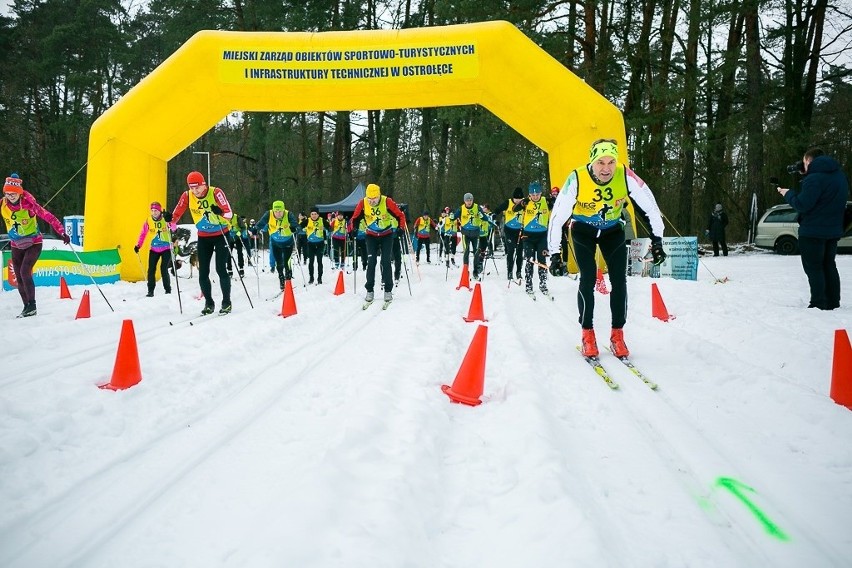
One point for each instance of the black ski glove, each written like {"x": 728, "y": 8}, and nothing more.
{"x": 215, "y": 209}
{"x": 557, "y": 268}
{"x": 136, "y": 249}
{"x": 65, "y": 238}
{"x": 167, "y": 216}
{"x": 658, "y": 254}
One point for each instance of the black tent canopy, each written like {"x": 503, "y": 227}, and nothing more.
{"x": 347, "y": 204}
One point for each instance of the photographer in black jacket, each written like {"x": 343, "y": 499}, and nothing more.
{"x": 820, "y": 202}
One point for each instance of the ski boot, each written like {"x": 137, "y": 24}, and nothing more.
{"x": 616, "y": 343}
{"x": 590, "y": 344}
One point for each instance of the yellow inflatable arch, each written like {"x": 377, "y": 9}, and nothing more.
{"x": 490, "y": 64}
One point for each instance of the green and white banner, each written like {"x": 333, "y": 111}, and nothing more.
{"x": 103, "y": 265}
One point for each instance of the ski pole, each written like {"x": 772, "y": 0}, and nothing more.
{"x": 141, "y": 267}
{"x": 89, "y": 274}
{"x": 299, "y": 262}
{"x": 407, "y": 278}
{"x": 416, "y": 266}
{"x": 174, "y": 267}
{"x": 243, "y": 282}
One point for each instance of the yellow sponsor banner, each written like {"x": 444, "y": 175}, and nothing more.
{"x": 242, "y": 63}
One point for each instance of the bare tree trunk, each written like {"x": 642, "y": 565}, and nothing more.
{"x": 424, "y": 166}
{"x": 800, "y": 63}
{"x": 318, "y": 153}
{"x": 393, "y": 126}
{"x": 755, "y": 180}
{"x": 659, "y": 97}
{"x": 718, "y": 169}
{"x": 690, "y": 110}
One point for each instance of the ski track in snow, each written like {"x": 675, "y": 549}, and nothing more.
{"x": 345, "y": 411}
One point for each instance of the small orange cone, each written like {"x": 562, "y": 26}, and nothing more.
{"x": 658, "y": 307}
{"x": 84, "y": 311}
{"x": 475, "y": 313}
{"x": 600, "y": 283}
{"x": 338, "y": 289}
{"x": 841, "y": 370}
{"x": 64, "y": 293}
{"x": 126, "y": 371}
{"x": 288, "y": 308}
{"x": 467, "y": 386}
{"x": 464, "y": 282}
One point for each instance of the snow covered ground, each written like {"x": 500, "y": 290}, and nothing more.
{"x": 324, "y": 439}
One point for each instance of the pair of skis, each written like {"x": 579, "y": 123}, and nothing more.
{"x": 534, "y": 298}
{"x": 385, "y": 304}
{"x": 195, "y": 320}
{"x": 599, "y": 369}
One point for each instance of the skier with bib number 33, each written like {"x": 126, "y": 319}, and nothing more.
{"x": 592, "y": 198}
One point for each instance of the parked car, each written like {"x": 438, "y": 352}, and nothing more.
{"x": 778, "y": 229}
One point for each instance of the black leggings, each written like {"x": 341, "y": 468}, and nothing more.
{"x": 23, "y": 261}
{"x": 314, "y": 251}
{"x": 282, "y": 253}
{"x": 514, "y": 249}
{"x": 165, "y": 259}
{"x": 206, "y": 247}
{"x": 613, "y": 247}
{"x": 379, "y": 245}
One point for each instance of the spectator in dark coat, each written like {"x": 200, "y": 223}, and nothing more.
{"x": 716, "y": 230}
{"x": 821, "y": 202}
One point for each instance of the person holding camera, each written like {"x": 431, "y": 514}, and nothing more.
{"x": 593, "y": 198}
{"x": 716, "y": 230}
{"x": 820, "y": 202}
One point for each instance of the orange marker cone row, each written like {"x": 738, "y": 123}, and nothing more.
{"x": 469, "y": 381}
{"x": 476, "y": 313}
{"x": 658, "y": 307}
{"x": 84, "y": 311}
{"x": 339, "y": 289}
{"x": 126, "y": 371}
{"x": 64, "y": 293}
{"x": 841, "y": 370}
{"x": 288, "y": 308}
{"x": 464, "y": 282}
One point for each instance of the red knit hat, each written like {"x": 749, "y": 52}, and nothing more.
{"x": 156, "y": 206}
{"x": 13, "y": 184}
{"x": 194, "y": 179}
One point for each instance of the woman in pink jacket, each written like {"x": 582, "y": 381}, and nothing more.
{"x": 20, "y": 213}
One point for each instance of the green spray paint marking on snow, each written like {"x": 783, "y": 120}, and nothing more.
{"x": 738, "y": 488}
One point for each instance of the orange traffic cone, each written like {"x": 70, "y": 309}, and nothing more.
{"x": 464, "y": 282}
{"x": 841, "y": 370}
{"x": 288, "y": 308}
{"x": 126, "y": 371}
{"x": 84, "y": 310}
{"x": 467, "y": 386}
{"x": 658, "y": 307}
{"x": 475, "y": 312}
{"x": 600, "y": 283}
{"x": 64, "y": 293}
{"x": 338, "y": 289}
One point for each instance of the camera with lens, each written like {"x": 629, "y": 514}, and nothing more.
{"x": 797, "y": 168}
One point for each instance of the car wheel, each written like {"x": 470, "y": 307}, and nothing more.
{"x": 786, "y": 245}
